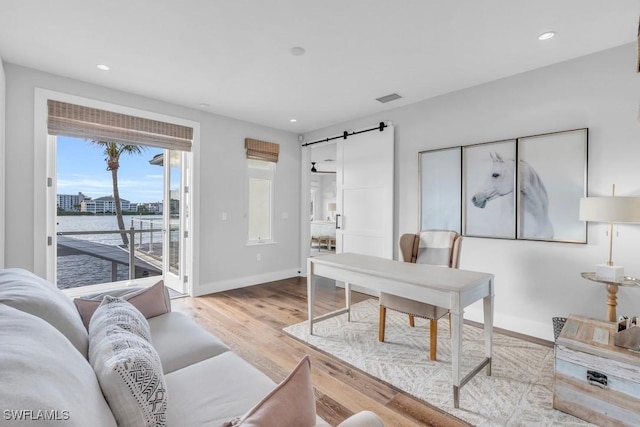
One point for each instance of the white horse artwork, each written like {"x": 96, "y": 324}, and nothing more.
{"x": 535, "y": 201}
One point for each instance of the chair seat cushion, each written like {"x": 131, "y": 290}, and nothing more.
{"x": 409, "y": 306}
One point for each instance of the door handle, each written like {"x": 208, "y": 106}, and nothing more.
{"x": 337, "y": 221}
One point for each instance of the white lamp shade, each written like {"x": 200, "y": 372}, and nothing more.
{"x": 332, "y": 207}
{"x": 610, "y": 209}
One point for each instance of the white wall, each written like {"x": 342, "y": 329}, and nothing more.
{"x": 534, "y": 280}
{"x": 223, "y": 260}
{"x": 2, "y": 160}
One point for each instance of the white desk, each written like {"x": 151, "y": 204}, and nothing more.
{"x": 445, "y": 287}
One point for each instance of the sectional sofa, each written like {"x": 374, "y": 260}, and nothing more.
{"x": 48, "y": 378}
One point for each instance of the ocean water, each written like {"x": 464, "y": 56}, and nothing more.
{"x": 83, "y": 270}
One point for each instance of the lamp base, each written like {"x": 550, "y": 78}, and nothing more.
{"x": 615, "y": 273}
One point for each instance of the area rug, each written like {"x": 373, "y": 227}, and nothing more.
{"x": 518, "y": 393}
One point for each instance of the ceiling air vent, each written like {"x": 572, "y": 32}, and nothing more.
{"x": 388, "y": 98}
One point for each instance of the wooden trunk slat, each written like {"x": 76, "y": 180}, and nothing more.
{"x": 577, "y": 352}
{"x": 598, "y": 406}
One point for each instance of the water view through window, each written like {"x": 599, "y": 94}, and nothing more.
{"x": 93, "y": 236}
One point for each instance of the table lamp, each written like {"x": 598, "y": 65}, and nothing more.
{"x": 612, "y": 210}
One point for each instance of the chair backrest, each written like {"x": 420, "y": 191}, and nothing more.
{"x": 437, "y": 247}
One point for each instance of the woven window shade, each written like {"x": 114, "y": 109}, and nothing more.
{"x": 262, "y": 150}
{"x": 91, "y": 123}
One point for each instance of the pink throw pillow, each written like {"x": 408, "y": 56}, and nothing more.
{"x": 291, "y": 403}
{"x": 150, "y": 301}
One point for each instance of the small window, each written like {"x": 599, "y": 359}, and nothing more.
{"x": 260, "y": 200}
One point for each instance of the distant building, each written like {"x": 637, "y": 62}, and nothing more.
{"x": 70, "y": 202}
{"x": 103, "y": 205}
{"x": 154, "y": 208}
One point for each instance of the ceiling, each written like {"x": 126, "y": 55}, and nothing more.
{"x": 235, "y": 55}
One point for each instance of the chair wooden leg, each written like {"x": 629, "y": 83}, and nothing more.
{"x": 381, "y": 324}
{"x": 412, "y": 321}
{"x": 433, "y": 345}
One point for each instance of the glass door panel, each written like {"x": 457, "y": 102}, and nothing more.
{"x": 176, "y": 209}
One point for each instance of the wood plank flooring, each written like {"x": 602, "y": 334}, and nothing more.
{"x": 250, "y": 321}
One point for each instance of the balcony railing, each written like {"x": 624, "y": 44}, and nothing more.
{"x": 119, "y": 254}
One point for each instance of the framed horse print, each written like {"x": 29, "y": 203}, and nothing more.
{"x": 440, "y": 189}
{"x": 552, "y": 178}
{"x": 489, "y": 179}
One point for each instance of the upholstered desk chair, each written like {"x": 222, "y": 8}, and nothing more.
{"x": 436, "y": 247}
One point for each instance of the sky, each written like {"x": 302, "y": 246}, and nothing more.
{"x": 81, "y": 168}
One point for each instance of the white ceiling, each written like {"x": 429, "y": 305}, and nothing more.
{"x": 235, "y": 54}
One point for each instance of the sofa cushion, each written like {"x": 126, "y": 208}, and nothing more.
{"x": 291, "y": 403}
{"x": 121, "y": 313}
{"x": 151, "y": 301}
{"x": 128, "y": 369}
{"x": 43, "y": 375}
{"x": 180, "y": 341}
{"x": 31, "y": 294}
{"x": 215, "y": 390}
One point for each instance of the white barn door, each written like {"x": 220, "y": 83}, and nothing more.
{"x": 365, "y": 193}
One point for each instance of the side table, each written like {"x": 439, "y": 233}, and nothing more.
{"x": 612, "y": 290}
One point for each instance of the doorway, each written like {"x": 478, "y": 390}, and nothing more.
{"x": 161, "y": 226}
{"x": 153, "y": 214}
{"x": 322, "y": 194}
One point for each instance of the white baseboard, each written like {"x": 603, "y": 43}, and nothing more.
{"x": 242, "y": 282}
{"x": 542, "y": 330}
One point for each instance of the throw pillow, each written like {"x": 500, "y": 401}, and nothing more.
{"x": 128, "y": 370}
{"x": 31, "y": 294}
{"x": 41, "y": 371}
{"x": 120, "y": 313}
{"x": 291, "y": 403}
{"x": 150, "y": 301}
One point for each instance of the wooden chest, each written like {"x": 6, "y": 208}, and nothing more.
{"x": 594, "y": 380}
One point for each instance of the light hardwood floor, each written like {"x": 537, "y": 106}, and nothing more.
{"x": 250, "y": 321}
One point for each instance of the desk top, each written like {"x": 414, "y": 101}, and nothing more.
{"x": 430, "y": 276}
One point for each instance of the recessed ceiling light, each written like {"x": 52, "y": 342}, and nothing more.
{"x": 203, "y": 105}
{"x": 103, "y": 67}
{"x": 292, "y": 120}
{"x": 547, "y": 35}
{"x": 297, "y": 51}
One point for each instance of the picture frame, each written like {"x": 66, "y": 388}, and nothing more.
{"x": 440, "y": 173}
{"x": 552, "y": 178}
{"x": 489, "y": 179}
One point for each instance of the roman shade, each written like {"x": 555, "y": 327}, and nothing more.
{"x": 91, "y": 123}
{"x": 262, "y": 150}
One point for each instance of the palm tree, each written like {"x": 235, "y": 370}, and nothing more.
{"x": 113, "y": 150}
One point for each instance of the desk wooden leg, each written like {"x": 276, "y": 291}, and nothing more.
{"x": 612, "y": 302}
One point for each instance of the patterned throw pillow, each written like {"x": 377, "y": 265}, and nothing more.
{"x": 127, "y": 366}
{"x": 121, "y": 313}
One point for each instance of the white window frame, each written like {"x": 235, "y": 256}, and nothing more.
{"x": 266, "y": 174}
